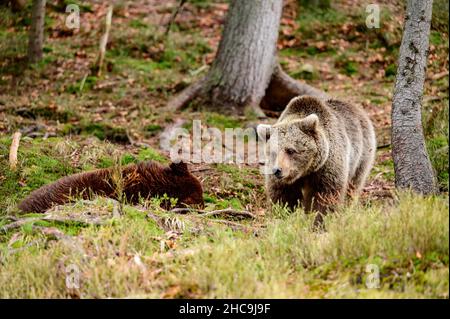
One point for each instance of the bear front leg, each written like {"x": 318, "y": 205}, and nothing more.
{"x": 285, "y": 194}
{"x": 326, "y": 196}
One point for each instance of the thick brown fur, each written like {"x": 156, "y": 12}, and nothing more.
{"x": 143, "y": 180}
{"x": 320, "y": 150}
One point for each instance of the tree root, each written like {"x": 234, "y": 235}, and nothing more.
{"x": 282, "y": 88}
{"x": 183, "y": 98}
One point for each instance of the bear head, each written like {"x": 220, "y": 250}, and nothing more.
{"x": 189, "y": 190}
{"x": 294, "y": 148}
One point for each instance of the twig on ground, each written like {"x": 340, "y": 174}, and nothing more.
{"x": 202, "y": 169}
{"x": 439, "y": 76}
{"x": 104, "y": 40}
{"x": 13, "y": 150}
{"x": 51, "y": 232}
{"x": 230, "y": 212}
{"x": 227, "y": 212}
{"x": 51, "y": 218}
{"x": 15, "y": 250}
{"x": 174, "y": 15}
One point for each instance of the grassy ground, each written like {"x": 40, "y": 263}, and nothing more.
{"x": 73, "y": 121}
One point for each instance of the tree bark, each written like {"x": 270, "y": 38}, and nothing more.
{"x": 411, "y": 162}
{"x": 246, "y": 56}
{"x": 36, "y": 35}
{"x": 282, "y": 88}
{"x": 245, "y": 72}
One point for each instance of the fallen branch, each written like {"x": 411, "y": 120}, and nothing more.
{"x": 52, "y": 218}
{"x": 104, "y": 40}
{"x": 51, "y": 232}
{"x": 13, "y": 150}
{"x": 203, "y": 169}
{"x": 439, "y": 76}
{"x": 16, "y": 250}
{"x": 227, "y": 212}
{"x": 174, "y": 15}
{"x": 17, "y": 224}
{"x": 230, "y": 212}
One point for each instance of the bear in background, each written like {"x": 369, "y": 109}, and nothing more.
{"x": 317, "y": 152}
{"x": 143, "y": 180}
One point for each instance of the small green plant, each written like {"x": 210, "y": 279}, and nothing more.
{"x": 146, "y": 154}
{"x": 391, "y": 70}
{"x": 345, "y": 63}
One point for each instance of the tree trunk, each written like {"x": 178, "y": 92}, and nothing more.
{"x": 411, "y": 162}
{"x": 36, "y": 36}
{"x": 245, "y": 72}
{"x": 246, "y": 56}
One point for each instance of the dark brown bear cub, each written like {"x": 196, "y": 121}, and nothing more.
{"x": 144, "y": 180}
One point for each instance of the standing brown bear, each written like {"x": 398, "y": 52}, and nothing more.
{"x": 317, "y": 152}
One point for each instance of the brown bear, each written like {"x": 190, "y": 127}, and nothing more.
{"x": 143, "y": 180}
{"x": 317, "y": 152}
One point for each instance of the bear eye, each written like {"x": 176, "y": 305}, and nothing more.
{"x": 290, "y": 151}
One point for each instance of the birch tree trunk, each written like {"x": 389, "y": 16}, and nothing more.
{"x": 245, "y": 70}
{"x": 411, "y": 162}
{"x": 36, "y": 35}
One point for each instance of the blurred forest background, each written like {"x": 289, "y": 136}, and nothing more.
{"x": 74, "y": 118}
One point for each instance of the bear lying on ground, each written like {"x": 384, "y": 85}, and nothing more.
{"x": 317, "y": 152}
{"x": 143, "y": 180}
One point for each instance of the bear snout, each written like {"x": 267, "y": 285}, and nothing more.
{"x": 277, "y": 172}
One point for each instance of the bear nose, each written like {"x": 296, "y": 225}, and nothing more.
{"x": 277, "y": 172}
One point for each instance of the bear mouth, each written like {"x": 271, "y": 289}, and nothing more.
{"x": 284, "y": 179}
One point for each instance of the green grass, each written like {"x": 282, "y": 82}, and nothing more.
{"x": 435, "y": 119}
{"x": 346, "y": 64}
{"x": 221, "y": 121}
{"x": 189, "y": 255}
{"x": 148, "y": 153}
{"x": 310, "y": 21}
{"x": 38, "y": 165}
{"x": 386, "y": 168}
{"x": 408, "y": 242}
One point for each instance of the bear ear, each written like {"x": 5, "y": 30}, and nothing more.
{"x": 309, "y": 123}
{"x": 179, "y": 168}
{"x": 263, "y": 131}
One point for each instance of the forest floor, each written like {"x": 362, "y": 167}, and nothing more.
{"x": 72, "y": 120}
